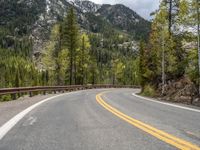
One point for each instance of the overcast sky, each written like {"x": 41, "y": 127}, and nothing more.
{"x": 142, "y": 7}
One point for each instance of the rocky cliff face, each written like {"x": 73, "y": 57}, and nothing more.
{"x": 54, "y": 12}
{"x": 34, "y": 18}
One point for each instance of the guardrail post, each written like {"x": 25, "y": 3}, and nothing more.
{"x": 30, "y": 94}
{"x": 14, "y": 96}
{"x": 19, "y": 94}
{"x": 44, "y": 92}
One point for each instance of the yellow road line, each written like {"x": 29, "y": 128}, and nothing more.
{"x": 170, "y": 139}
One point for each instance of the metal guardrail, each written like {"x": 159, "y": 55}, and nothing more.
{"x": 44, "y": 89}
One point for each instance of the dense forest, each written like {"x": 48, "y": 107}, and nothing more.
{"x": 72, "y": 56}
{"x": 78, "y": 57}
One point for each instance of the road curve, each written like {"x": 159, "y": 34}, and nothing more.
{"x": 77, "y": 121}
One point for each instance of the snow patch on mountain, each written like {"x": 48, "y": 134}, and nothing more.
{"x": 85, "y": 6}
{"x": 48, "y": 6}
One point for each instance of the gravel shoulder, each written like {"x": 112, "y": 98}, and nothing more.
{"x": 11, "y": 108}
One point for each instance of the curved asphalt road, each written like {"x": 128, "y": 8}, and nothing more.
{"x": 76, "y": 121}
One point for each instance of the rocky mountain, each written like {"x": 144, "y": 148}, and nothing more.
{"x": 86, "y": 6}
{"x": 125, "y": 19}
{"x": 34, "y": 19}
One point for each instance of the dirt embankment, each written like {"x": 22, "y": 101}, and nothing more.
{"x": 181, "y": 91}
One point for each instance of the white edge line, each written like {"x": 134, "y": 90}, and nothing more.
{"x": 5, "y": 128}
{"x": 173, "y": 105}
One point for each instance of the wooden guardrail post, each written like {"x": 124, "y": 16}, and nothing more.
{"x": 30, "y": 94}
{"x": 44, "y": 92}
{"x": 14, "y": 96}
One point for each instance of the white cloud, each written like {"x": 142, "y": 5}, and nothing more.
{"x": 142, "y": 7}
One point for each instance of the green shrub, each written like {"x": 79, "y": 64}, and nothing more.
{"x": 5, "y": 98}
{"x": 148, "y": 91}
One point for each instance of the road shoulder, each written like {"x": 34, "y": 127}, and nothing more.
{"x": 11, "y": 108}
{"x": 164, "y": 102}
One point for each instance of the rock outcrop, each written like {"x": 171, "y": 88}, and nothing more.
{"x": 181, "y": 91}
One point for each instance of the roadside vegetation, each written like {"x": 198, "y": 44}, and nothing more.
{"x": 170, "y": 57}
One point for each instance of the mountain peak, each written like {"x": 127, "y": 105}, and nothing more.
{"x": 85, "y": 5}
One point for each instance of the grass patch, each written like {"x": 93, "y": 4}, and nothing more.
{"x": 5, "y": 98}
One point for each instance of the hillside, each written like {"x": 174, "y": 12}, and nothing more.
{"x": 47, "y": 42}
{"x": 126, "y": 20}
{"x": 34, "y": 19}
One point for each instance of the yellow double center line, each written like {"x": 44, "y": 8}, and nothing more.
{"x": 170, "y": 139}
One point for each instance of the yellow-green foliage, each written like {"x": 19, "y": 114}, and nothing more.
{"x": 17, "y": 71}
{"x": 83, "y": 59}
{"x": 5, "y": 98}
{"x": 148, "y": 91}
{"x": 191, "y": 69}
{"x": 55, "y": 59}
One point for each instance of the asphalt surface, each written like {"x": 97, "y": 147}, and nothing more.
{"x": 76, "y": 121}
{"x": 9, "y": 109}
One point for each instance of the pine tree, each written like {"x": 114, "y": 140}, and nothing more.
{"x": 84, "y": 57}
{"x": 142, "y": 64}
{"x": 71, "y": 41}
{"x": 172, "y": 6}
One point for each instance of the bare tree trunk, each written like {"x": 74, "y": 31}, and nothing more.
{"x": 198, "y": 31}
{"x": 83, "y": 62}
{"x": 163, "y": 65}
{"x": 170, "y": 16}
{"x": 75, "y": 71}
{"x": 71, "y": 68}
{"x": 113, "y": 78}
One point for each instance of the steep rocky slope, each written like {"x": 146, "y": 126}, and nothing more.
{"x": 125, "y": 19}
